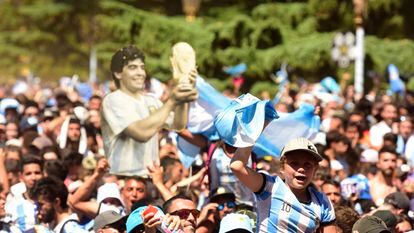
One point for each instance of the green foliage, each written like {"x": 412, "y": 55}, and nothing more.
{"x": 410, "y": 85}
{"x": 263, "y": 86}
{"x": 54, "y": 37}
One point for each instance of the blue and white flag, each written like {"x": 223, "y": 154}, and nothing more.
{"x": 201, "y": 119}
{"x": 301, "y": 123}
{"x": 241, "y": 123}
{"x": 396, "y": 84}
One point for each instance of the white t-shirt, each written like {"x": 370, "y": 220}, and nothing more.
{"x": 377, "y": 132}
{"x": 20, "y": 211}
{"x": 125, "y": 155}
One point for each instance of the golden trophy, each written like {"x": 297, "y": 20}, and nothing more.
{"x": 183, "y": 62}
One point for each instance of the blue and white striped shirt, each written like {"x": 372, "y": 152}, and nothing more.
{"x": 278, "y": 209}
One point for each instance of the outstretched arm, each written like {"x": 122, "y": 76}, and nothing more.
{"x": 195, "y": 139}
{"x": 143, "y": 130}
{"x": 250, "y": 178}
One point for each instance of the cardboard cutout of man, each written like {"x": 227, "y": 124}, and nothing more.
{"x": 131, "y": 119}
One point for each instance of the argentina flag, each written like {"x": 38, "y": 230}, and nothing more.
{"x": 240, "y": 122}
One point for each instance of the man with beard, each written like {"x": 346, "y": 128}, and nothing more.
{"x": 51, "y": 196}
{"x": 185, "y": 209}
{"x": 377, "y": 131}
{"x": 384, "y": 182}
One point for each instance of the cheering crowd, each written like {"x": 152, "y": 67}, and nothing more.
{"x": 107, "y": 160}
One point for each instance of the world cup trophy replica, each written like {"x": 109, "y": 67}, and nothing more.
{"x": 183, "y": 62}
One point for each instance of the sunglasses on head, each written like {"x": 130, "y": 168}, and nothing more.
{"x": 184, "y": 213}
{"x": 229, "y": 204}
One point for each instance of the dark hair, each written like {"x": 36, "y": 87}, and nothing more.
{"x": 31, "y": 159}
{"x": 345, "y": 218}
{"x": 95, "y": 97}
{"x": 74, "y": 158}
{"x": 332, "y": 182}
{"x": 12, "y": 165}
{"x": 122, "y": 57}
{"x": 357, "y": 126}
{"x": 168, "y": 203}
{"x": 30, "y": 103}
{"x": 74, "y": 120}
{"x": 335, "y": 136}
{"x": 48, "y": 149}
{"x": 16, "y": 149}
{"x": 136, "y": 178}
{"x": 387, "y": 149}
{"x": 50, "y": 188}
{"x": 56, "y": 168}
{"x": 167, "y": 162}
{"x": 390, "y": 137}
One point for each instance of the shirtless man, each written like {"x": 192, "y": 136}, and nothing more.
{"x": 384, "y": 182}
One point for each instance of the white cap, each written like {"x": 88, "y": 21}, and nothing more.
{"x": 301, "y": 144}
{"x": 336, "y": 165}
{"x": 236, "y": 222}
{"x": 108, "y": 190}
{"x": 369, "y": 156}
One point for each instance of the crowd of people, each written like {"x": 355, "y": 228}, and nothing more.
{"x": 76, "y": 163}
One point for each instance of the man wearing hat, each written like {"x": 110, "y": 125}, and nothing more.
{"x": 109, "y": 222}
{"x": 396, "y": 202}
{"x": 221, "y": 202}
{"x": 370, "y": 224}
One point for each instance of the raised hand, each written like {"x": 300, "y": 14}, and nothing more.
{"x": 102, "y": 167}
{"x": 156, "y": 172}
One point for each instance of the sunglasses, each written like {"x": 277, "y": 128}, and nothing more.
{"x": 229, "y": 204}
{"x": 184, "y": 213}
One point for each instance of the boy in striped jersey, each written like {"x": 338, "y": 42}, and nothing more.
{"x": 288, "y": 203}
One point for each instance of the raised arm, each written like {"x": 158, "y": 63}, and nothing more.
{"x": 143, "y": 130}
{"x": 79, "y": 200}
{"x": 195, "y": 139}
{"x": 250, "y": 178}
{"x": 156, "y": 173}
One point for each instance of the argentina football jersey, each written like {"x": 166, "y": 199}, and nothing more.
{"x": 280, "y": 211}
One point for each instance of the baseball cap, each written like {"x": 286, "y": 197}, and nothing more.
{"x": 221, "y": 192}
{"x": 106, "y": 218}
{"x": 370, "y": 224}
{"x": 398, "y": 200}
{"x": 108, "y": 190}
{"x": 135, "y": 218}
{"x": 388, "y": 217}
{"x": 301, "y": 144}
{"x": 233, "y": 222}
